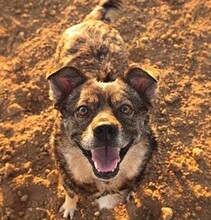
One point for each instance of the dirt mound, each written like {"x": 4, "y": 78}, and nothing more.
{"x": 172, "y": 35}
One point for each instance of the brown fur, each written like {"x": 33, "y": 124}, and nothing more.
{"x": 94, "y": 49}
{"x": 92, "y": 72}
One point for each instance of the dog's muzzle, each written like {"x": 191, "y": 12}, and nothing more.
{"x": 105, "y": 157}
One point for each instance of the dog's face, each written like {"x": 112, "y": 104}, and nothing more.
{"x": 103, "y": 119}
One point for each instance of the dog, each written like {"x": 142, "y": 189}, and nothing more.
{"x": 101, "y": 138}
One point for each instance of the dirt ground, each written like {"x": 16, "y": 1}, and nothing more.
{"x": 175, "y": 36}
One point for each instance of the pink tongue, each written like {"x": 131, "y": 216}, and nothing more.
{"x": 105, "y": 159}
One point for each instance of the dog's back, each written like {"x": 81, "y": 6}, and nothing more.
{"x": 93, "y": 46}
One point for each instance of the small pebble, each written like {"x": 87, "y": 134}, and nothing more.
{"x": 167, "y": 213}
{"x": 21, "y": 213}
{"x": 18, "y": 65}
{"x": 6, "y": 157}
{"x": 9, "y": 214}
{"x": 198, "y": 208}
{"x": 40, "y": 98}
{"x": 25, "y": 15}
{"x": 177, "y": 122}
{"x": 27, "y": 165}
{"x": 28, "y": 178}
{"x": 97, "y": 214}
{"x": 148, "y": 192}
{"x": 7, "y": 68}
{"x": 198, "y": 153}
{"x": 193, "y": 214}
{"x": 21, "y": 34}
{"x": 176, "y": 46}
{"x": 29, "y": 96}
{"x": 37, "y": 131}
{"x": 171, "y": 98}
{"x": 53, "y": 176}
{"x": 163, "y": 112}
{"x": 144, "y": 39}
{"x": 24, "y": 198}
{"x": 174, "y": 36}
{"x": 47, "y": 171}
{"x": 8, "y": 169}
{"x": 163, "y": 36}
{"x": 14, "y": 109}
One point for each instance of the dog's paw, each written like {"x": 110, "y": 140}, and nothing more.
{"x": 67, "y": 211}
{"x": 68, "y": 208}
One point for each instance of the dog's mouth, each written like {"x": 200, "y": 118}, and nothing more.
{"x": 105, "y": 161}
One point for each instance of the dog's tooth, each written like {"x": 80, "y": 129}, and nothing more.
{"x": 95, "y": 163}
{"x": 116, "y": 165}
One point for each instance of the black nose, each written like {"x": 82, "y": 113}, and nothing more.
{"x": 105, "y": 133}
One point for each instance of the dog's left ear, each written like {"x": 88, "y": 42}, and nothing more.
{"x": 143, "y": 83}
{"x": 64, "y": 81}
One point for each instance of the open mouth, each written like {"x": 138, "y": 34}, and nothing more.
{"x": 106, "y": 160}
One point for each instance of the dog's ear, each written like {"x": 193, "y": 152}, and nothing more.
{"x": 64, "y": 81}
{"x": 143, "y": 83}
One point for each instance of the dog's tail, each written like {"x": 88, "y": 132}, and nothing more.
{"x": 107, "y": 10}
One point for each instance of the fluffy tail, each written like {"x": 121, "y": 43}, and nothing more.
{"x": 107, "y": 10}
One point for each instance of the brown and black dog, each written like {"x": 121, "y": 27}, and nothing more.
{"x": 101, "y": 136}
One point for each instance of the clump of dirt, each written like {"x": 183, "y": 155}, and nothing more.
{"x": 172, "y": 35}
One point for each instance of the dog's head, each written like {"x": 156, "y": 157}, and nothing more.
{"x": 104, "y": 120}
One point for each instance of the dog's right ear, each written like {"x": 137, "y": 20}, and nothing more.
{"x": 64, "y": 81}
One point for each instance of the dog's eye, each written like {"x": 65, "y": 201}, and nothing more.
{"x": 81, "y": 111}
{"x": 126, "y": 109}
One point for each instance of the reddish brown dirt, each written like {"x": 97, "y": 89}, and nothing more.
{"x": 173, "y": 35}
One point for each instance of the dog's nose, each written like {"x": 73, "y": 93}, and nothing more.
{"x": 105, "y": 132}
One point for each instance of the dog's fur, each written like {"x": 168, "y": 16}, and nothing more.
{"x": 101, "y": 136}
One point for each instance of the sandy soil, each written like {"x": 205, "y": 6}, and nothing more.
{"x": 175, "y": 36}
